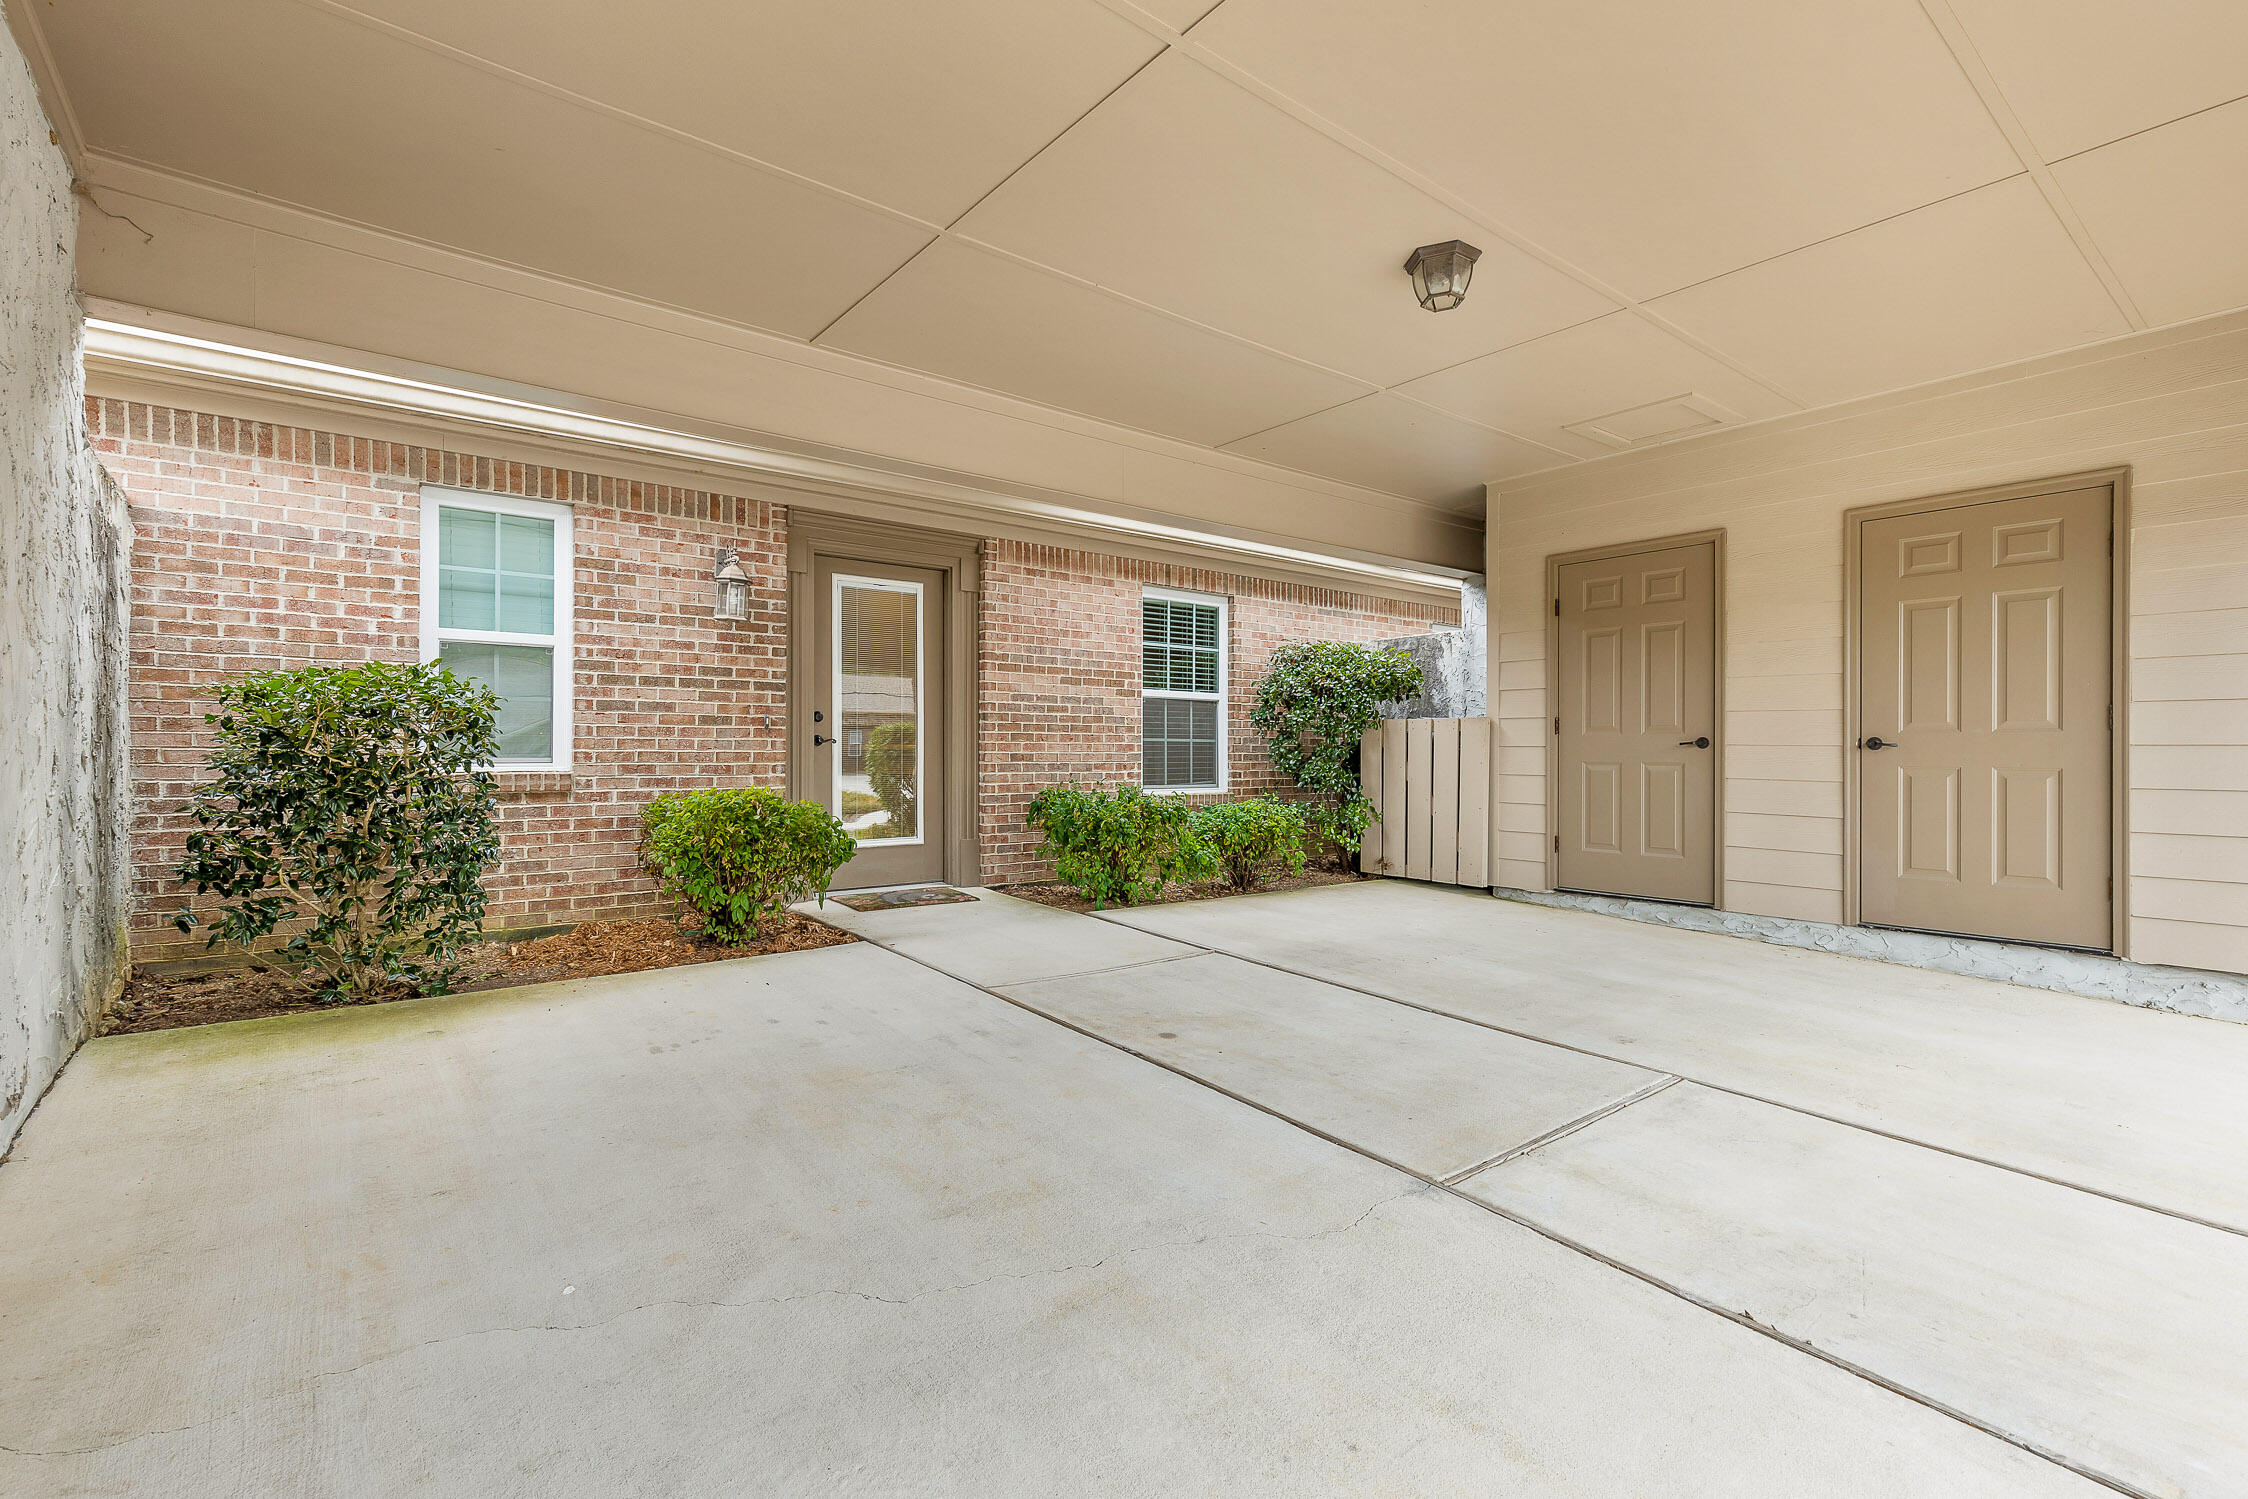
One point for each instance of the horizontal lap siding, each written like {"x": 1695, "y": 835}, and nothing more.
{"x": 2173, "y": 407}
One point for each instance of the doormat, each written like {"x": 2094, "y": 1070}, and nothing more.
{"x": 890, "y": 900}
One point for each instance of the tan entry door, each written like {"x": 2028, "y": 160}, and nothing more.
{"x": 1637, "y": 722}
{"x": 1983, "y": 706}
{"x": 877, "y": 717}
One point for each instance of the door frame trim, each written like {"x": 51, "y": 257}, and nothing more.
{"x": 2118, "y": 483}
{"x": 1555, "y": 561}
{"x": 959, "y": 559}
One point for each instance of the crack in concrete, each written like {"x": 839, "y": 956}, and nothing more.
{"x": 310, "y": 1380}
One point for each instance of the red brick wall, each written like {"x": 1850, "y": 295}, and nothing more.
{"x": 1058, "y": 652}
{"x": 257, "y": 545}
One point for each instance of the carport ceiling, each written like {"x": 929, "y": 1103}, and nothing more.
{"x": 1191, "y": 220}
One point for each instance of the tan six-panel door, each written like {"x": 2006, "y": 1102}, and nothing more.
{"x": 1636, "y": 704}
{"x": 1984, "y": 705}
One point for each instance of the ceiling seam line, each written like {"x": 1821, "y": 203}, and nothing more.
{"x": 2132, "y": 135}
{"x": 1302, "y": 113}
{"x": 617, "y": 113}
{"x": 1969, "y": 60}
{"x": 1372, "y": 387}
{"x": 1841, "y": 234}
{"x": 1511, "y": 436}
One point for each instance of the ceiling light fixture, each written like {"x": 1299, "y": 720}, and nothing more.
{"x": 1440, "y": 273}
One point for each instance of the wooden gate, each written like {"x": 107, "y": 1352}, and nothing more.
{"x": 1430, "y": 778}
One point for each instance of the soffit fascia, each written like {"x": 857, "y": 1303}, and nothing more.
{"x": 126, "y": 362}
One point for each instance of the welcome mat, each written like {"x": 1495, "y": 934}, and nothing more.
{"x": 890, "y": 900}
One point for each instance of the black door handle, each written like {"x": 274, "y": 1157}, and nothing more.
{"x": 820, "y": 739}
{"x": 1877, "y": 742}
{"x": 1701, "y": 743}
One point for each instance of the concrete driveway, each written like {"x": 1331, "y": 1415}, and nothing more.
{"x": 1022, "y": 1202}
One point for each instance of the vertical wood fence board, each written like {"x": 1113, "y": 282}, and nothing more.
{"x": 1420, "y": 747}
{"x": 1444, "y": 801}
{"x": 1475, "y": 802}
{"x": 1370, "y": 780}
{"x": 1396, "y": 847}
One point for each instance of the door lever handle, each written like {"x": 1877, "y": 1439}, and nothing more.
{"x": 820, "y": 739}
{"x": 1701, "y": 743}
{"x": 1877, "y": 742}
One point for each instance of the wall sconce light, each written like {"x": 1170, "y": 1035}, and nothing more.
{"x": 1440, "y": 273}
{"x": 730, "y": 585}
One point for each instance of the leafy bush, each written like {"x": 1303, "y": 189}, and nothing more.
{"x": 891, "y": 771}
{"x": 1246, "y": 838}
{"x": 1116, "y": 846}
{"x": 346, "y": 803}
{"x": 1316, "y": 701}
{"x": 738, "y": 856}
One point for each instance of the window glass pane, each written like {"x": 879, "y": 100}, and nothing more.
{"x": 1178, "y": 742}
{"x": 523, "y": 676}
{"x": 464, "y": 599}
{"x": 1179, "y": 646}
{"x": 466, "y": 538}
{"x": 497, "y": 572}
{"x": 526, "y": 605}
{"x": 526, "y": 545}
{"x": 878, "y": 712}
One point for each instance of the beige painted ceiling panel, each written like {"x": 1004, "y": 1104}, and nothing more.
{"x": 1408, "y": 448}
{"x": 1179, "y": 14}
{"x": 969, "y": 315}
{"x": 2081, "y": 73}
{"x": 919, "y": 106}
{"x": 1187, "y": 191}
{"x": 1986, "y": 278}
{"x": 158, "y": 255}
{"x": 803, "y": 400}
{"x": 1618, "y": 363}
{"x": 2167, "y": 208}
{"x": 295, "y": 104}
{"x": 1656, "y": 145}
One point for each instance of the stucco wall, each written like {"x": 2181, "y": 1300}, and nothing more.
{"x": 2172, "y": 406}
{"x": 62, "y": 635}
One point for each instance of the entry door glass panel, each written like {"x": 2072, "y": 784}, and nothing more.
{"x": 1636, "y": 743}
{"x": 878, "y": 696}
{"x": 1984, "y": 699}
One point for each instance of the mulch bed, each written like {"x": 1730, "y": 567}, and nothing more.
{"x": 1069, "y": 900}
{"x": 153, "y": 1002}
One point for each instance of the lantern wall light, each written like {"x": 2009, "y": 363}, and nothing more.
{"x": 1440, "y": 273}
{"x": 730, "y": 582}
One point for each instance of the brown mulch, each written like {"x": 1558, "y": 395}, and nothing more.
{"x": 153, "y": 1002}
{"x": 1047, "y": 894}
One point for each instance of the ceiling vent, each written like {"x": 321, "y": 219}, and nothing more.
{"x": 1657, "y": 421}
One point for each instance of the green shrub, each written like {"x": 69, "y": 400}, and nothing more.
{"x": 1316, "y": 701}
{"x": 738, "y": 856}
{"x": 346, "y": 804}
{"x": 891, "y": 771}
{"x": 1248, "y": 837}
{"x": 859, "y": 803}
{"x": 1116, "y": 846}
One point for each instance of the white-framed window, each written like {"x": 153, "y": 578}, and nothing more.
{"x": 496, "y": 609}
{"x": 1182, "y": 691}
